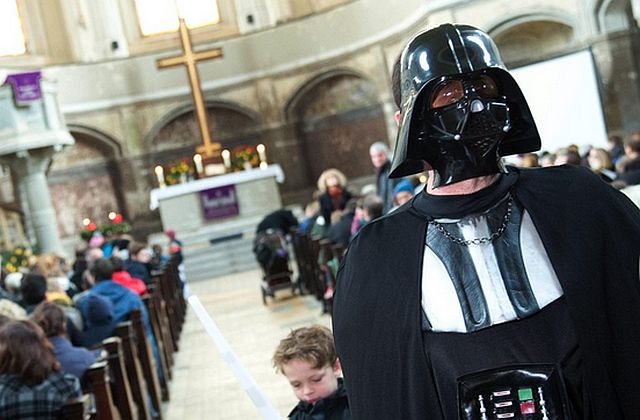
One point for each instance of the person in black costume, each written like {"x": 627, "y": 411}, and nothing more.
{"x": 282, "y": 220}
{"x": 497, "y": 292}
{"x": 271, "y": 240}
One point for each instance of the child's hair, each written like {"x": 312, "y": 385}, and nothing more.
{"x": 312, "y": 344}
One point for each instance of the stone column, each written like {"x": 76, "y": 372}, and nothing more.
{"x": 31, "y": 130}
{"x": 29, "y": 172}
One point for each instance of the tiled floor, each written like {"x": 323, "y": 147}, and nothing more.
{"x": 203, "y": 385}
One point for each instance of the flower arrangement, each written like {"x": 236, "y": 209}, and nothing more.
{"x": 114, "y": 226}
{"x": 177, "y": 172}
{"x": 16, "y": 260}
{"x": 244, "y": 156}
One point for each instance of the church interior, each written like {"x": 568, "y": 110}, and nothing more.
{"x": 142, "y": 98}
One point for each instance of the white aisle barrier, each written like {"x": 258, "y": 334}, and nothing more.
{"x": 257, "y": 396}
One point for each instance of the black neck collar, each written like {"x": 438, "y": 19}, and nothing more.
{"x": 457, "y": 206}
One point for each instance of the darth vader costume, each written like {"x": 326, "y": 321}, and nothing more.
{"x": 520, "y": 300}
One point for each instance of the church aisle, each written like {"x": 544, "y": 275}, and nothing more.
{"x": 203, "y": 385}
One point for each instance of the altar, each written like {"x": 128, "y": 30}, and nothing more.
{"x": 221, "y": 199}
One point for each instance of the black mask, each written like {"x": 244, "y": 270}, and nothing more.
{"x": 454, "y": 119}
{"x": 460, "y": 140}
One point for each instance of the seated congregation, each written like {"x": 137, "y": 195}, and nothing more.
{"x": 100, "y": 347}
{"x": 336, "y": 213}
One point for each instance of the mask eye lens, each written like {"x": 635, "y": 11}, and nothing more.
{"x": 446, "y": 93}
{"x": 486, "y": 87}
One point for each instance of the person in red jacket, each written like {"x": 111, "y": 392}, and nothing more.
{"x": 122, "y": 277}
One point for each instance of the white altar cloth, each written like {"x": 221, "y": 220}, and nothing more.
{"x": 158, "y": 194}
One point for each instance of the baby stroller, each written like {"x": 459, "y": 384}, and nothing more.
{"x": 271, "y": 252}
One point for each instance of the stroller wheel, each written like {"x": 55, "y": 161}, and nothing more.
{"x": 264, "y": 295}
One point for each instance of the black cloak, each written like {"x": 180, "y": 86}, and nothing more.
{"x": 592, "y": 236}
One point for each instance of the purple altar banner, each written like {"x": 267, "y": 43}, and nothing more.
{"x": 219, "y": 202}
{"x": 26, "y": 87}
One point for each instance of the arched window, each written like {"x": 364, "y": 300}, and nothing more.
{"x": 161, "y": 16}
{"x": 12, "y": 41}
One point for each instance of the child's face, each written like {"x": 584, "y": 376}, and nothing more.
{"x": 311, "y": 384}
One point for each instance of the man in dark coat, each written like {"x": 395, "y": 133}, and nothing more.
{"x": 496, "y": 292}
{"x": 381, "y": 160}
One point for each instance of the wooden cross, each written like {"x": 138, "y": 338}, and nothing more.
{"x": 190, "y": 59}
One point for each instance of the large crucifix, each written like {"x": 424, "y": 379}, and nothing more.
{"x": 208, "y": 149}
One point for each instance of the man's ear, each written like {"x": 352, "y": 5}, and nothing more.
{"x": 397, "y": 116}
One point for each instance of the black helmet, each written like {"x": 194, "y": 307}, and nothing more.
{"x": 464, "y": 138}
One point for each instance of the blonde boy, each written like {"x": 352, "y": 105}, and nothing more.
{"x": 307, "y": 358}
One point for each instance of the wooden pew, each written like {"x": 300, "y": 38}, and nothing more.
{"x": 326, "y": 278}
{"x": 98, "y": 376}
{"x": 147, "y": 361}
{"x": 120, "y": 387}
{"x": 151, "y": 302}
{"x": 306, "y": 250}
{"x": 316, "y": 276}
{"x": 173, "y": 293}
{"x": 178, "y": 287}
{"x": 156, "y": 291}
{"x": 77, "y": 408}
{"x": 171, "y": 310}
{"x": 137, "y": 381}
{"x": 160, "y": 306}
{"x": 156, "y": 306}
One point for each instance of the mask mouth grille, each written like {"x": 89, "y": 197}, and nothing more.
{"x": 482, "y": 146}
{"x": 482, "y": 133}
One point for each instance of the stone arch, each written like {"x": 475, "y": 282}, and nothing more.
{"x": 91, "y": 145}
{"x": 336, "y": 116}
{"x": 614, "y": 15}
{"x": 176, "y": 134}
{"x": 524, "y": 39}
{"x": 85, "y": 180}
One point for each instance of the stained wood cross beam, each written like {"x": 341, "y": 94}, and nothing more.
{"x": 190, "y": 59}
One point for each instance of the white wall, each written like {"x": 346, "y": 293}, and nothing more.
{"x": 564, "y": 98}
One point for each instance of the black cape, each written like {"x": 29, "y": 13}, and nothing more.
{"x": 592, "y": 235}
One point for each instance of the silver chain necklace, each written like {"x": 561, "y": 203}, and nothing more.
{"x": 478, "y": 241}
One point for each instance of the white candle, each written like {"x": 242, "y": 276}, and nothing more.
{"x": 261, "y": 153}
{"x": 197, "y": 159}
{"x": 226, "y": 158}
{"x": 160, "y": 175}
